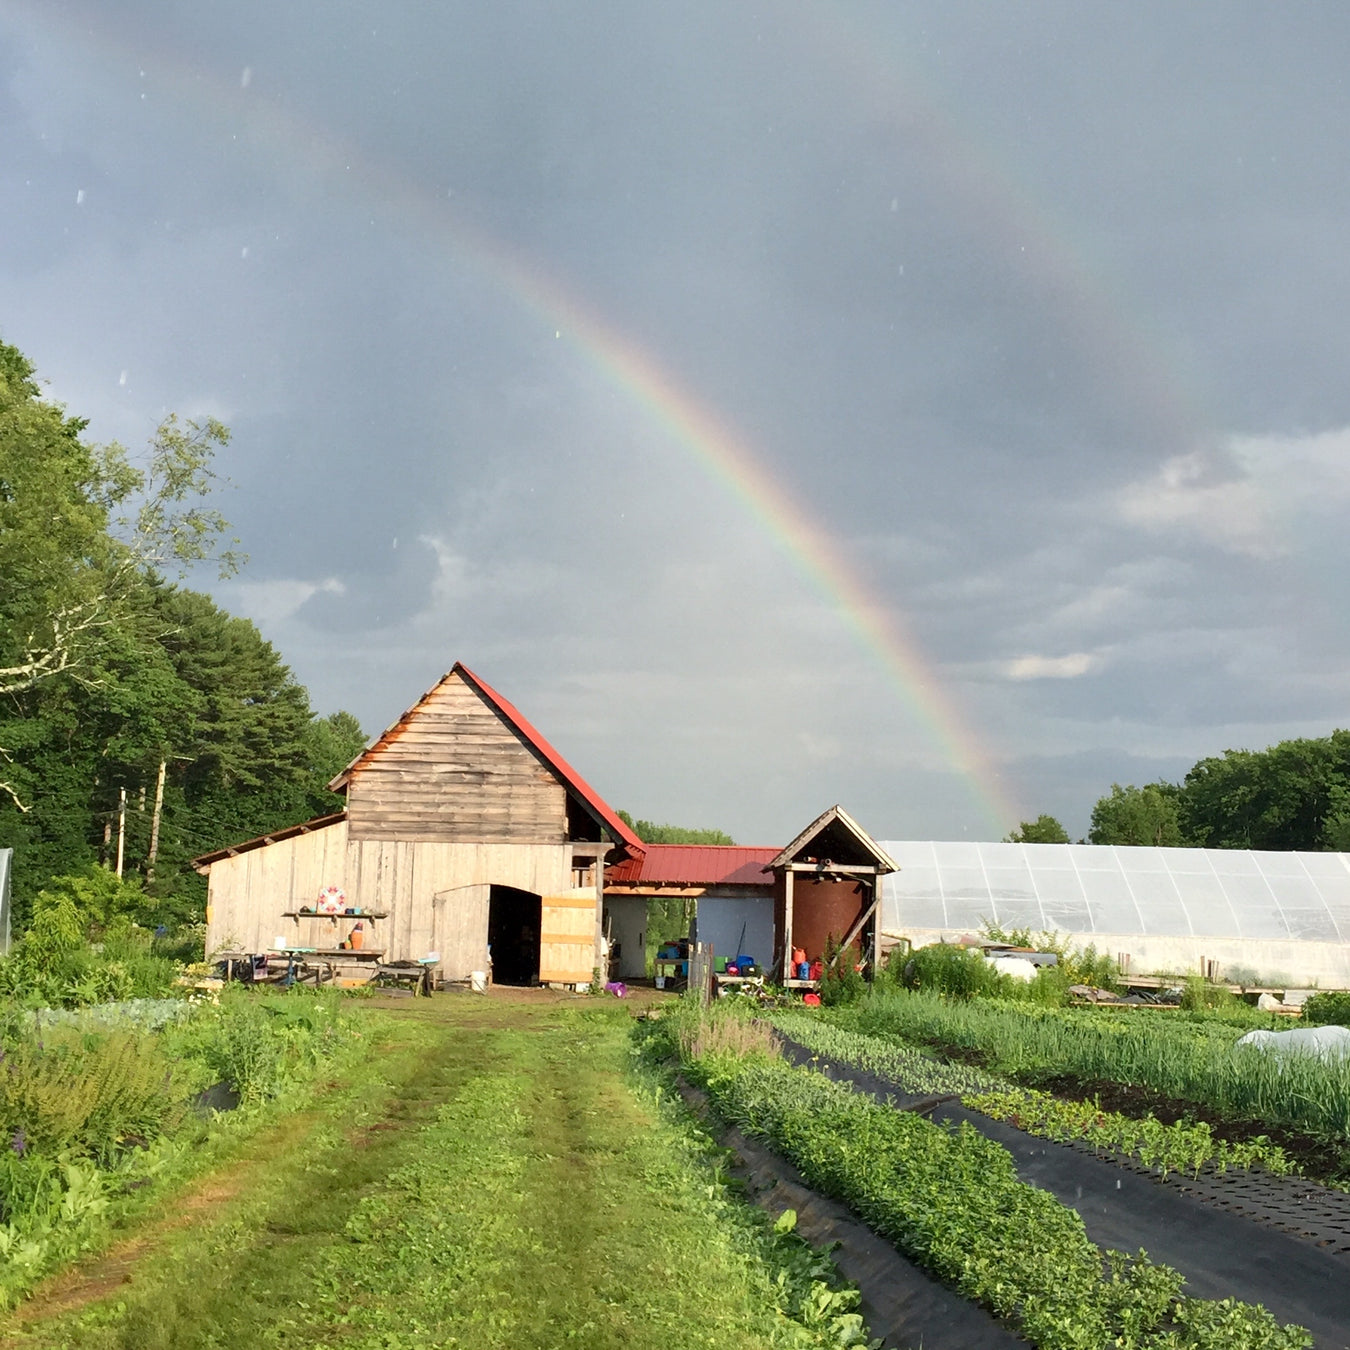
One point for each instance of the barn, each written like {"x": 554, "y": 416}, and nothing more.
{"x": 463, "y": 827}
{"x": 466, "y": 832}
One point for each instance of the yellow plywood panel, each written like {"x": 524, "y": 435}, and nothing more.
{"x": 567, "y": 952}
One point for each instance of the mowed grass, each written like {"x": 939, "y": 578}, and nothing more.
{"x": 493, "y": 1175}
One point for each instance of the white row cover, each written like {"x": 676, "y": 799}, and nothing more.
{"x": 1090, "y": 888}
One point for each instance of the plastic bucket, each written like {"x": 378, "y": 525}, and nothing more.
{"x": 478, "y": 981}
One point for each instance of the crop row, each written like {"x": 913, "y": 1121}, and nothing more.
{"x": 1185, "y": 1061}
{"x": 952, "y": 1201}
{"x": 1183, "y": 1146}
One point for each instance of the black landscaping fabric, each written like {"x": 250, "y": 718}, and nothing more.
{"x": 1221, "y": 1253}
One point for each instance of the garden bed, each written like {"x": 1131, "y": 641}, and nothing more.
{"x": 902, "y": 1303}
{"x": 1281, "y": 1242}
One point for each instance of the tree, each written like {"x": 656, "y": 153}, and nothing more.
{"x": 1043, "y": 830}
{"x": 1294, "y": 795}
{"x": 81, "y": 526}
{"x": 1147, "y": 815}
{"x": 651, "y": 833}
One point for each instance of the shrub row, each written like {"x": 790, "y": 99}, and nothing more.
{"x": 951, "y": 1200}
{"x": 91, "y": 1107}
{"x": 1183, "y": 1146}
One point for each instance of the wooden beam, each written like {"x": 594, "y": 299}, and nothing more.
{"x": 857, "y": 928}
{"x": 787, "y": 970}
{"x": 854, "y": 869}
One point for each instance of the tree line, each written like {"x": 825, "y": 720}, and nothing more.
{"x": 131, "y": 705}
{"x": 1290, "y": 796}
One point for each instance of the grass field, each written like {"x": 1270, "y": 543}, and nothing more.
{"x": 495, "y": 1172}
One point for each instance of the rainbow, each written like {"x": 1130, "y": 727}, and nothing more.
{"x": 867, "y": 68}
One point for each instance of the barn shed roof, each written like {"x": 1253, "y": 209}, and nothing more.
{"x": 693, "y": 865}
{"x": 576, "y": 785}
{"x": 205, "y": 860}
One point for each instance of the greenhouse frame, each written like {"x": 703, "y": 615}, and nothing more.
{"x": 1284, "y": 916}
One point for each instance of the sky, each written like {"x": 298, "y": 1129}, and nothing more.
{"x": 934, "y": 408}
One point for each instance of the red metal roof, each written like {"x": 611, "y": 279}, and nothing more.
{"x": 572, "y": 780}
{"x": 694, "y": 865}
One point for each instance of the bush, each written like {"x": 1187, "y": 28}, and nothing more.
{"x": 1201, "y": 996}
{"x": 956, "y": 972}
{"x": 255, "y": 1041}
{"x": 87, "y": 1095}
{"x": 1323, "y": 1010}
{"x": 841, "y": 982}
{"x": 83, "y": 946}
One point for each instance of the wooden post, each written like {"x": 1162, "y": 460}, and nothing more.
{"x": 154, "y": 824}
{"x": 876, "y": 925}
{"x": 121, "y": 828}
{"x": 788, "y": 972}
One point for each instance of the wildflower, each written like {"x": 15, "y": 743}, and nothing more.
{"x": 19, "y": 1143}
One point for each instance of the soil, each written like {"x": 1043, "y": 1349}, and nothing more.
{"x": 1318, "y": 1159}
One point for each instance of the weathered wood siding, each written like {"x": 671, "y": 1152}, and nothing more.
{"x": 435, "y": 894}
{"x": 248, "y": 893}
{"x": 456, "y": 772}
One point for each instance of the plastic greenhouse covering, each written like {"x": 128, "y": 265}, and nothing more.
{"x": 1088, "y": 888}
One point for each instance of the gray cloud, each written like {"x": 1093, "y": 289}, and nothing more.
{"x": 1035, "y": 312}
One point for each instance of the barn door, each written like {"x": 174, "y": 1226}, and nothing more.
{"x": 567, "y": 937}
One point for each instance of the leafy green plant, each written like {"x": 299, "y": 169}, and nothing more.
{"x": 1183, "y": 1146}
{"x": 841, "y": 981}
{"x": 956, "y": 972}
{"x": 1327, "y": 1009}
{"x": 952, "y": 1201}
{"x": 90, "y": 1095}
{"x": 1193, "y": 1060}
{"x": 1201, "y": 996}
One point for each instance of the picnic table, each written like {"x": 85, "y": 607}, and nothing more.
{"x": 324, "y": 961}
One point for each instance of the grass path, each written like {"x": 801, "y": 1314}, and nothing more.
{"x": 489, "y": 1178}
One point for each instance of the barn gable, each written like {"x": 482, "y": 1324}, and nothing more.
{"x": 462, "y": 765}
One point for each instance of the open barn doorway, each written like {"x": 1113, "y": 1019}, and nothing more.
{"x": 513, "y": 935}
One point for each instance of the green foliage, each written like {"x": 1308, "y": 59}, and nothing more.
{"x": 1200, "y": 995}
{"x": 1043, "y": 830}
{"x": 79, "y": 1094}
{"x": 93, "y": 1103}
{"x": 108, "y": 671}
{"x": 83, "y": 948}
{"x": 1294, "y": 795}
{"x": 952, "y": 971}
{"x": 1183, "y": 1146}
{"x": 257, "y": 1041}
{"x": 952, "y": 1201}
{"x": 651, "y": 833}
{"x": 1330, "y": 1009}
{"x": 841, "y": 982}
{"x": 1074, "y": 965}
{"x": 1193, "y": 1059}
{"x": 1148, "y": 815}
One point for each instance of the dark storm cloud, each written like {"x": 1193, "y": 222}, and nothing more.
{"x": 1036, "y": 311}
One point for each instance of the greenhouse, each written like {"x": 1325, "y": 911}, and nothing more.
{"x": 1281, "y": 916}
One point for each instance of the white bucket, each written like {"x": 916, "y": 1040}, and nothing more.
{"x": 478, "y": 981}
